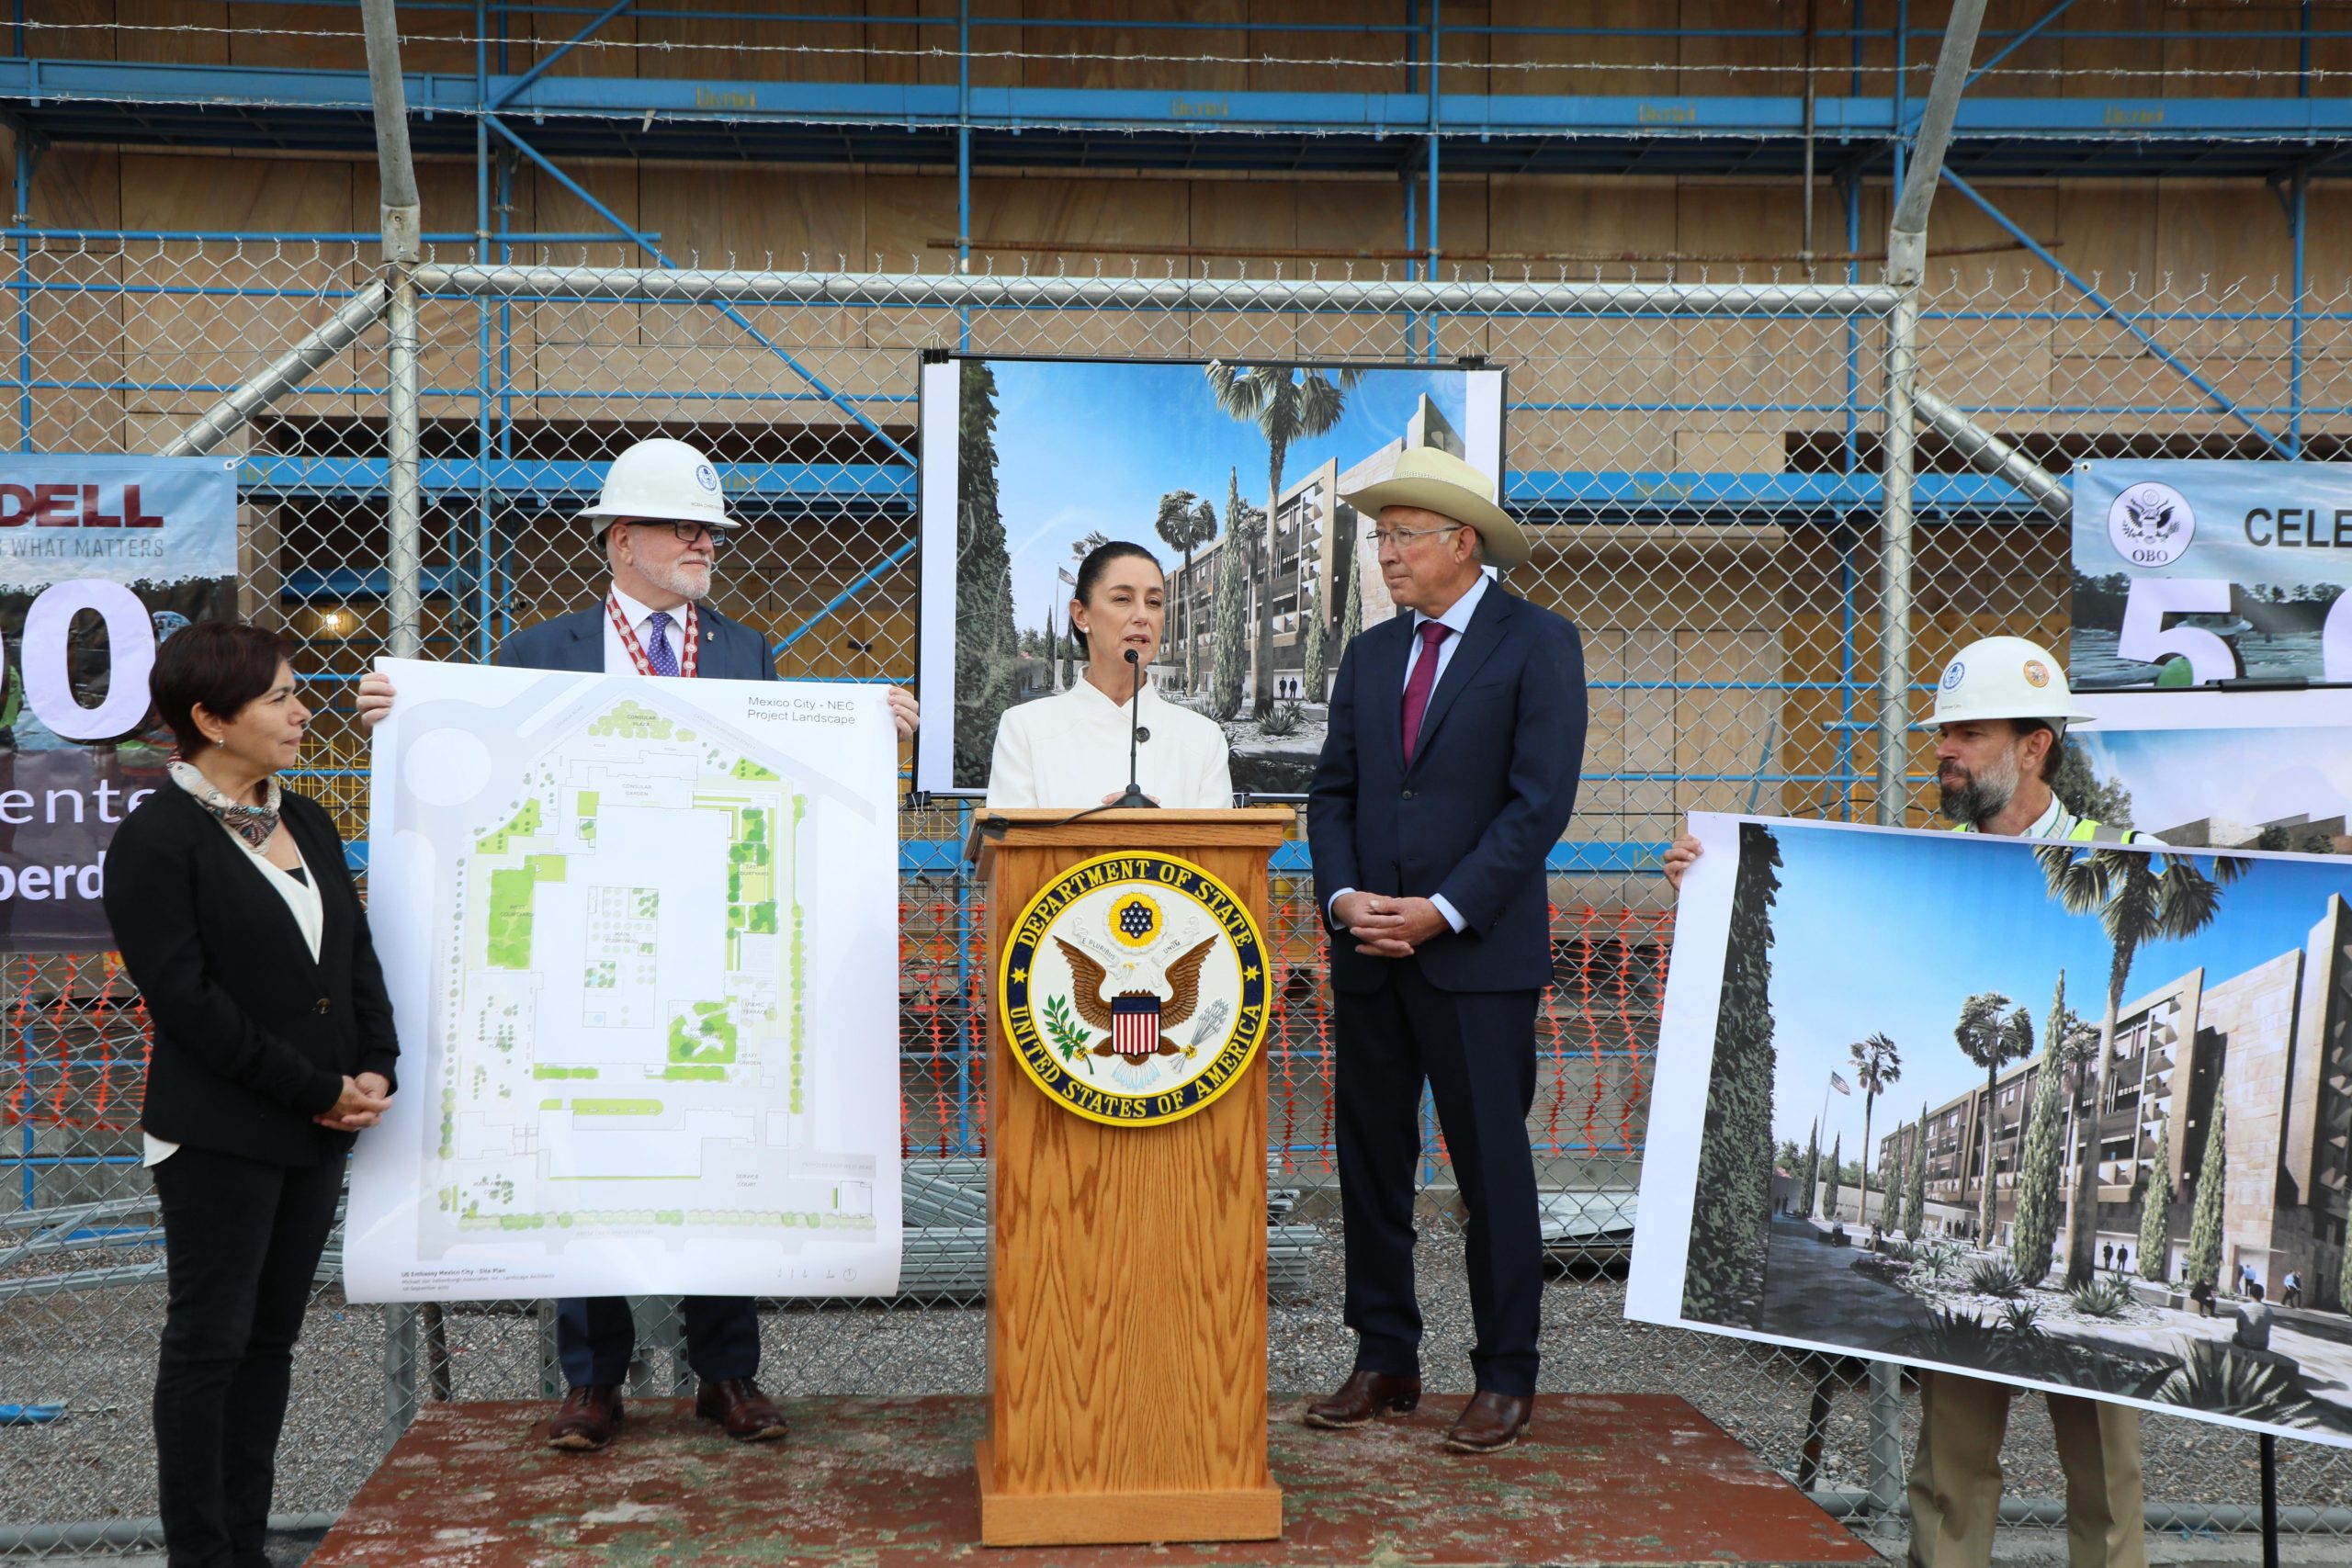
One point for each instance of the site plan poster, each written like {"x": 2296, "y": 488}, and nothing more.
{"x": 641, "y": 938}
{"x": 1860, "y": 1021}
{"x": 2220, "y": 568}
{"x": 2207, "y": 768}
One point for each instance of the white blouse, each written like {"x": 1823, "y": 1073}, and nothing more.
{"x": 1068, "y": 751}
{"x": 303, "y": 901}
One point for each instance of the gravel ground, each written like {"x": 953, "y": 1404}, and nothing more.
{"x": 97, "y": 1354}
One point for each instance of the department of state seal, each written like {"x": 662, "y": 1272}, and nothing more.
{"x": 1133, "y": 988}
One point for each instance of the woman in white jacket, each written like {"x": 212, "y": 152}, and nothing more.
{"x": 1070, "y": 750}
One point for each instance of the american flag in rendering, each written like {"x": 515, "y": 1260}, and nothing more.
{"x": 1135, "y": 1023}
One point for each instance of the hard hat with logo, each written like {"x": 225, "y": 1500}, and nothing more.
{"x": 661, "y": 480}
{"x": 2006, "y": 677}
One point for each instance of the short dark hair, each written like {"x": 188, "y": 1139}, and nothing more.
{"x": 218, "y": 665}
{"x": 2057, "y": 752}
{"x": 1090, "y": 572}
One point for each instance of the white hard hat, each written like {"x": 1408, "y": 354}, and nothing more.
{"x": 662, "y": 480}
{"x": 2006, "y": 677}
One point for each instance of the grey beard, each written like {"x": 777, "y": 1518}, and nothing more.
{"x": 1983, "y": 797}
{"x": 677, "y": 580}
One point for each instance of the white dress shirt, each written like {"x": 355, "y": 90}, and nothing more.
{"x": 617, "y": 659}
{"x": 1457, "y": 619}
{"x": 1067, "y": 751}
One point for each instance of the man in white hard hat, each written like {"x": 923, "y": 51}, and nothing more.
{"x": 1448, "y": 772}
{"x": 661, "y": 521}
{"x": 2002, "y": 708}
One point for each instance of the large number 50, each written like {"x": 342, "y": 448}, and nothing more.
{"x": 49, "y": 686}
{"x": 2146, "y": 638}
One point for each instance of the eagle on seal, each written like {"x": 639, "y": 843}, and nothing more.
{"x": 1183, "y": 984}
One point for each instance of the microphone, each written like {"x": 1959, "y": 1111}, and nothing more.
{"x": 1135, "y": 797}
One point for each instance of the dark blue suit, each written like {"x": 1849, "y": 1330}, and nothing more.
{"x": 594, "y": 1337}
{"x": 1491, "y": 786}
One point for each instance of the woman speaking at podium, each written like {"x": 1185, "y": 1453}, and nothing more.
{"x": 1070, "y": 750}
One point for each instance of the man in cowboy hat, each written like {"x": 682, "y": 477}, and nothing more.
{"x": 661, "y": 522}
{"x": 1448, "y": 772}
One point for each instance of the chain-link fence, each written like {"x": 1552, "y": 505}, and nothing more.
{"x": 1704, "y": 463}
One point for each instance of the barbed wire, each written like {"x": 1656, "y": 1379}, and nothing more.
{"x": 1325, "y": 61}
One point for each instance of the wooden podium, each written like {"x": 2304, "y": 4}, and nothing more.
{"x": 1127, "y": 1270}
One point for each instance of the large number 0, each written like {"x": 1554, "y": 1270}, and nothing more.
{"x": 2336, "y": 640}
{"x": 2148, "y": 639}
{"x": 131, "y": 642}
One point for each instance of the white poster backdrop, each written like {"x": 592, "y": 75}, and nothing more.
{"x": 1983, "y": 922}
{"x": 2227, "y": 770}
{"x": 641, "y": 941}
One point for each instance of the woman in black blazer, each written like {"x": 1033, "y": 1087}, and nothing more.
{"x": 272, "y": 1046}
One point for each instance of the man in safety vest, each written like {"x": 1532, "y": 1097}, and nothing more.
{"x": 661, "y": 524}
{"x": 2002, "y": 710}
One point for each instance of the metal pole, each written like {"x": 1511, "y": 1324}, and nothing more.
{"x": 403, "y": 590}
{"x": 2269, "y": 1500}
{"x": 285, "y": 373}
{"x": 1885, "y": 1456}
{"x": 1894, "y": 561}
{"x": 400, "y": 1372}
{"x": 1989, "y": 453}
{"x": 396, "y": 172}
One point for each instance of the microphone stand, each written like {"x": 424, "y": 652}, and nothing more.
{"x": 1135, "y": 799}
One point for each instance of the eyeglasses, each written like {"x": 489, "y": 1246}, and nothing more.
{"x": 1382, "y": 538}
{"x": 687, "y": 533}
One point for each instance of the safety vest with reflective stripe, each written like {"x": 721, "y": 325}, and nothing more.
{"x": 2080, "y": 830}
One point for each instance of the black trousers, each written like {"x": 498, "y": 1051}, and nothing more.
{"x": 1476, "y": 1051}
{"x": 594, "y": 1337}
{"x": 241, "y": 1239}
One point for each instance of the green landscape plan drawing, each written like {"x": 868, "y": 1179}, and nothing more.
{"x": 640, "y": 936}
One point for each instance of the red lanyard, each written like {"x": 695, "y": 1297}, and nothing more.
{"x": 687, "y": 625}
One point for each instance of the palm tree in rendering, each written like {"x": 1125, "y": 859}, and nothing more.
{"x": 1186, "y": 522}
{"x": 1287, "y": 404}
{"x": 2137, "y": 903}
{"x": 1877, "y": 1063}
{"x": 1992, "y": 1036}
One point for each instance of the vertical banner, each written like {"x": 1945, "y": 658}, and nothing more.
{"x": 2194, "y": 570}
{"x": 101, "y": 559}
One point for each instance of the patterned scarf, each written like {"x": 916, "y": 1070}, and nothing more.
{"x": 254, "y": 824}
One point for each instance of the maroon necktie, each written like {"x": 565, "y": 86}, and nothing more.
{"x": 1418, "y": 685}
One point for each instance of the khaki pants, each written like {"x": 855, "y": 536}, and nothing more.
{"x": 1956, "y": 1475}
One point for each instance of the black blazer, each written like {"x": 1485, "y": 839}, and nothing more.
{"x": 1491, "y": 788}
{"x": 730, "y": 651}
{"x": 253, "y": 1037}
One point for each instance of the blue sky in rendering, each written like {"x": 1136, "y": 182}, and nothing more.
{"x": 1885, "y": 933}
{"x": 1083, "y": 445}
{"x": 2181, "y": 775}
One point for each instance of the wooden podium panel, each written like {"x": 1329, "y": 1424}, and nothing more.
{"x": 1127, "y": 1278}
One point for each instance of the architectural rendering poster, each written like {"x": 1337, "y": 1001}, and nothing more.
{"x": 101, "y": 557}
{"x": 2193, "y": 570}
{"x": 2209, "y": 769}
{"x": 641, "y": 938}
{"x": 1027, "y": 463}
{"x": 2152, "y": 1046}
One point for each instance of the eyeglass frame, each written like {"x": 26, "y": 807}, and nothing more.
{"x": 1381, "y": 538}
{"x": 685, "y": 533}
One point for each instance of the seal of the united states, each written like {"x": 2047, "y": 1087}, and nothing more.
{"x": 1133, "y": 988}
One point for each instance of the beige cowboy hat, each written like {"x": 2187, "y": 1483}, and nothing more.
{"x": 1436, "y": 481}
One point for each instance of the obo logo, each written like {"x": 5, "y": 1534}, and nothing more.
{"x": 2151, "y": 524}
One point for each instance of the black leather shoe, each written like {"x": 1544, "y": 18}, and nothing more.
{"x": 1363, "y": 1397}
{"x": 738, "y": 1404}
{"x": 1490, "y": 1423}
{"x": 590, "y": 1417}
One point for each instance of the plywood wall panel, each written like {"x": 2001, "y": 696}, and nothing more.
{"x": 727, "y": 51}
{"x": 74, "y": 29}
{"x": 1580, "y": 225}
{"x": 586, "y": 353}
{"x": 173, "y": 32}
{"x": 1080, "y": 44}
{"x": 1744, "y": 67}
{"x": 913, "y": 54}
{"x": 1344, "y": 44}
{"x": 1623, "y": 66}
{"x": 301, "y": 38}
{"x": 2203, "y": 61}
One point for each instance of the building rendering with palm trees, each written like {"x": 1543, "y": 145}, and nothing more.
{"x": 2270, "y": 1045}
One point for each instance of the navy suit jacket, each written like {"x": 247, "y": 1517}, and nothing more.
{"x": 730, "y": 651}
{"x": 1491, "y": 788}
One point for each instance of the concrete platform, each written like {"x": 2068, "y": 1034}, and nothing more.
{"x": 889, "y": 1483}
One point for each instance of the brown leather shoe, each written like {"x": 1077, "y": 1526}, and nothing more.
{"x": 1363, "y": 1396}
{"x": 590, "y": 1417}
{"x": 1490, "y": 1423}
{"x": 740, "y": 1406}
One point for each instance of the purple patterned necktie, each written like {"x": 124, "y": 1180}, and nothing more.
{"x": 659, "y": 655}
{"x": 1418, "y": 686}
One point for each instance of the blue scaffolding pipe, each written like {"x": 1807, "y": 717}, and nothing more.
{"x": 729, "y": 312}
{"x": 2106, "y": 309}
{"x": 506, "y": 93}
{"x": 871, "y": 576}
